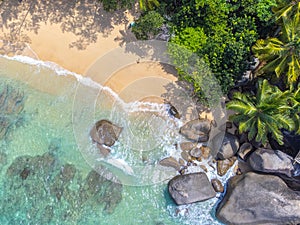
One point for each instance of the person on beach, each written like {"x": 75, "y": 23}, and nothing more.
{"x": 131, "y": 24}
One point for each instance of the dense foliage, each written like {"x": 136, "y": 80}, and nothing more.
{"x": 216, "y": 38}
{"x": 111, "y": 5}
{"x": 282, "y": 53}
{"x": 221, "y": 32}
{"x": 265, "y": 114}
{"x": 148, "y": 25}
{"x": 146, "y": 5}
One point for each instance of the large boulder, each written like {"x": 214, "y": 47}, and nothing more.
{"x": 229, "y": 146}
{"x": 271, "y": 161}
{"x": 105, "y": 132}
{"x": 190, "y": 188}
{"x": 259, "y": 199}
{"x": 196, "y": 130}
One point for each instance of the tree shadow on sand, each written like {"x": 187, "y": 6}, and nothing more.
{"x": 84, "y": 18}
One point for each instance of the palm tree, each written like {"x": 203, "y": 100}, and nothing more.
{"x": 265, "y": 113}
{"x": 286, "y": 8}
{"x": 295, "y": 103}
{"x": 282, "y": 55}
{"x": 148, "y": 4}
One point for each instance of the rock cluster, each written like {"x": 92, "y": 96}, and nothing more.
{"x": 190, "y": 187}
{"x": 266, "y": 193}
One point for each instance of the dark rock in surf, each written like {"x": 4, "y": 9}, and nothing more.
{"x": 173, "y": 111}
{"x": 190, "y": 188}
{"x": 105, "y": 132}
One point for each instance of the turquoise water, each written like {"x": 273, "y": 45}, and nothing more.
{"x": 50, "y": 132}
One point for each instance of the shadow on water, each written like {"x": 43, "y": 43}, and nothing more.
{"x": 84, "y": 18}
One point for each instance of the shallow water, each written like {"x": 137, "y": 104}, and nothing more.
{"x": 58, "y": 114}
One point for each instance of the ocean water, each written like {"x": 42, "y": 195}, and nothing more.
{"x": 47, "y": 157}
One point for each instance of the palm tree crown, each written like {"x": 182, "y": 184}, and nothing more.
{"x": 282, "y": 54}
{"x": 286, "y": 8}
{"x": 263, "y": 114}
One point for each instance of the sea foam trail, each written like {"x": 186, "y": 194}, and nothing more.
{"x": 87, "y": 81}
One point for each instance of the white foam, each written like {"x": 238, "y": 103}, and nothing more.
{"x": 135, "y": 106}
{"x": 55, "y": 67}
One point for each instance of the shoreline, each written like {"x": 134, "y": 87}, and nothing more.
{"x": 60, "y": 44}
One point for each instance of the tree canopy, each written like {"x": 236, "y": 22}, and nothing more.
{"x": 266, "y": 112}
{"x": 221, "y": 32}
{"x": 282, "y": 54}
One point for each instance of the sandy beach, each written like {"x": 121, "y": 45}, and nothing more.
{"x": 75, "y": 35}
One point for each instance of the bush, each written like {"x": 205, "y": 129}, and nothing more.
{"x": 148, "y": 25}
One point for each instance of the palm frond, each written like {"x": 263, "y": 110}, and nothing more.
{"x": 245, "y": 126}
{"x": 294, "y": 69}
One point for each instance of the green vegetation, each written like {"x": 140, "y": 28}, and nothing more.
{"x": 221, "y": 32}
{"x": 220, "y": 38}
{"x": 146, "y": 5}
{"x": 263, "y": 113}
{"x": 148, "y": 25}
{"x": 282, "y": 54}
{"x": 112, "y": 5}
{"x": 286, "y": 9}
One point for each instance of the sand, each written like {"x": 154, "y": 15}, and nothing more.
{"x": 74, "y": 35}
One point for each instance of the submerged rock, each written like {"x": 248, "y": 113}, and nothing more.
{"x": 3, "y": 160}
{"x": 196, "y": 130}
{"x": 100, "y": 190}
{"x": 271, "y": 161}
{"x": 11, "y": 108}
{"x": 67, "y": 172}
{"x": 44, "y": 180}
{"x": 190, "y": 188}
{"x": 259, "y": 199}
{"x": 105, "y": 132}
{"x": 24, "y": 174}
